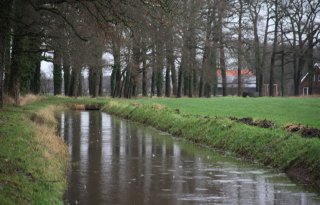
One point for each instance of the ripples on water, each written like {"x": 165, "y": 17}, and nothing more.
{"x": 113, "y": 161}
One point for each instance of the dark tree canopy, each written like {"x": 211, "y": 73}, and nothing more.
{"x": 159, "y": 47}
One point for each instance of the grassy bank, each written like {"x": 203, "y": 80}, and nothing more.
{"x": 32, "y": 158}
{"x": 276, "y": 147}
{"x": 280, "y": 110}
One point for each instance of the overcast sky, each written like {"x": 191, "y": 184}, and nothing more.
{"x": 47, "y": 67}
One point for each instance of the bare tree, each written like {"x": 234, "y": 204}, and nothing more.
{"x": 302, "y": 17}
{"x": 276, "y": 20}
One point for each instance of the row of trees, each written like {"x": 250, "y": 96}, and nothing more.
{"x": 159, "y": 47}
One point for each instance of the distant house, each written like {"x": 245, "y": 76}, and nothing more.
{"x": 304, "y": 86}
{"x": 248, "y": 80}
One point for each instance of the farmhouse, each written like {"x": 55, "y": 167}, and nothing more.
{"x": 305, "y": 88}
{"x": 248, "y": 80}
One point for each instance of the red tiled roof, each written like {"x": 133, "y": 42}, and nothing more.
{"x": 234, "y": 73}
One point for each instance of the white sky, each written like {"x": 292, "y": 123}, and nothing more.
{"x": 47, "y": 67}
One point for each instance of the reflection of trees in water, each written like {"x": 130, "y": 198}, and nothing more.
{"x": 117, "y": 162}
{"x": 94, "y": 158}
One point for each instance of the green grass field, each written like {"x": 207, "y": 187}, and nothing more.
{"x": 280, "y": 110}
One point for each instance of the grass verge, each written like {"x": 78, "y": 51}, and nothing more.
{"x": 275, "y": 147}
{"x": 32, "y": 158}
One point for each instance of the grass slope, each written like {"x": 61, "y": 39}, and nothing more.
{"x": 275, "y": 147}
{"x": 280, "y": 110}
{"x": 32, "y": 158}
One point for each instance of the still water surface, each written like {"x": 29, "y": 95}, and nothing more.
{"x": 113, "y": 161}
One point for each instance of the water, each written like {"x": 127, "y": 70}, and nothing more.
{"x": 113, "y": 161}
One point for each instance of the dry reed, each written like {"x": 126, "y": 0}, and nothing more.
{"x": 29, "y": 98}
{"x": 54, "y": 149}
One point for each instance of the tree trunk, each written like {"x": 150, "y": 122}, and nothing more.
{"x": 128, "y": 84}
{"x": 221, "y": 52}
{"x": 116, "y": 92}
{"x": 194, "y": 83}
{"x": 205, "y": 73}
{"x": 310, "y": 59}
{"x": 274, "y": 50}
{"x": 213, "y": 67}
{"x": 35, "y": 81}
{"x": 168, "y": 87}
{"x": 5, "y": 48}
{"x": 259, "y": 87}
{"x": 17, "y": 51}
{"x": 240, "y": 48}
{"x": 153, "y": 75}
{"x": 113, "y": 83}
{"x": 159, "y": 68}
{"x": 159, "y": 82}
{"x": 80, "y": 80}
{"x": 97, "y": 83}
{"x": 189, "y": 77}
{"x": 2, "y": 51}
{"x": 153, "y": 82}
{"x": 74, "y": 84}
{"x": 173, "y": 78}
{"x": 301, "y": 63}
{"x": 6, "y": 24}
{"x": 264, "y": 56}
{"x": 282, "y": 68}
{"x": 66, "y": 77}
{"x": 91, "y": 81}
{"x": 200, "y": 94}
{"x": 282, "y": 60}
{"x": 7, "y": 61}
{"x": 94, "y": 81}
{"x": 170, "y": 68}
{"x": 136, "y": 54}
{"x": 223, "y": 71}
{"x": 185, "y": 83}
{"x": 144, "y": 73}
{"x": 179, "y": 91}
{"x": 57, "y": 74}
{"x": 15, "y": 74}
{"x": 181, "y": 74}
{"x": 101, "y": 84}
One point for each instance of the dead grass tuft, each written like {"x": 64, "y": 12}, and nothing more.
{"x": 54, "y": 149}
{"x": 135, "y": 104}
{"x": 77, "y": 107}
{"x": 29, "y": 98}
{"x": 46, "y": 115}
{"x": 7, "y": 100}
{"x": 158, "y": 107}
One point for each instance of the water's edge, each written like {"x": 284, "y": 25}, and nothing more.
{"x": 302, "y": 169}
{"x": 123, "y": 157}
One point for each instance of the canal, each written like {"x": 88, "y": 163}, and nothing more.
{"x": 113, "y": 161}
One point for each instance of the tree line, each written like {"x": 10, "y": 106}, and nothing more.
{"x": 159, "y": 47}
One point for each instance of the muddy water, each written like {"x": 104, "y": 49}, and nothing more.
{"x": 113, "y": 161}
